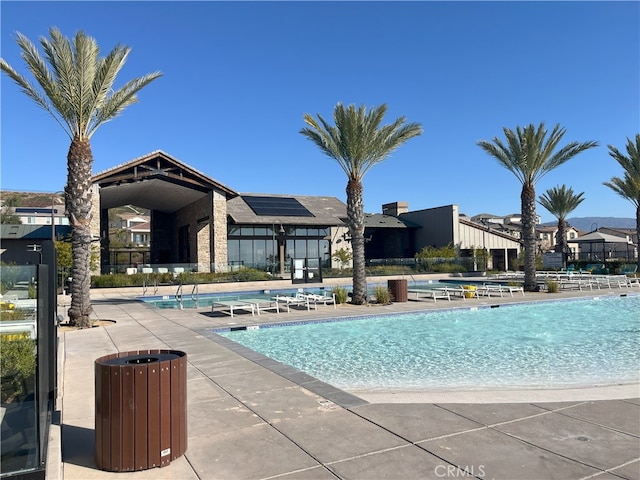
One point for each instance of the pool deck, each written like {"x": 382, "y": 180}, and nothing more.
{"x": 252, "y": 418}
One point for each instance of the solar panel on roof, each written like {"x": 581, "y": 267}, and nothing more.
{"x": 277, "y": 206}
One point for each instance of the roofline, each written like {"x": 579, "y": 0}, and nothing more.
{"x": 490, "y": 230}
{"x": 139, "y": 160}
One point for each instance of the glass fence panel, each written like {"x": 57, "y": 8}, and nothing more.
{"x": 18, "y": 334}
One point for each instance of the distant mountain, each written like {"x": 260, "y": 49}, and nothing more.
{"x": 589, "y": 224}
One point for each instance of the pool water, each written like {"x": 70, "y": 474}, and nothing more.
{"x": 205, "y": 300}
{"x": 536, "y": 345}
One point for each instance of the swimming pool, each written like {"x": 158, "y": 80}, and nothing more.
{"x": 535, "y": 345}
{"x": 205, "y": 300}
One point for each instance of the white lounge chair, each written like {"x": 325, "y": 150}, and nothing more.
{"x": 229, "y": 306}
{"x": 262, "y": 304}
{"x": 318, "y": 299}
{"x": 433, "y": 293}
{"x": 293, "y": 301}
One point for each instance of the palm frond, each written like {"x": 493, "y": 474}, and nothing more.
{"x": 560, "y": 201}
{"x": 356, "y": 140}
{"x": 628, "y": 186}
{"x": 529, "y": 153}
{"x": 75, "y": 83}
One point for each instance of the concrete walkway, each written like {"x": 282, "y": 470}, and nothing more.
{"x": 250, "y": 417}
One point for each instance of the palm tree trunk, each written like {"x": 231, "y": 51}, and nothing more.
{"x": 561, "y": 240}
{"x": 78, "y": 199}
{"x": 355, "y": 212}
{"x": 528, "y": 211}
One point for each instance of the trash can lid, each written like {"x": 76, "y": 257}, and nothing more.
{"x": 142, "y": 359}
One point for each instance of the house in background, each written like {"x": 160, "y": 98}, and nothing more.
{"x": 42, "y": 215}
{"x": 137, "y": 228}
{"x": 546, "y": 238}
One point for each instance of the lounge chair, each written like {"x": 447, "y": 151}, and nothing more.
{"x": 434, "y": 293}
{"x": 262, "y": 304}
{"x": 459, "y": 291}
{"x": 318, "y": 299}
{"x": 488, "y": 289}
{"x": 229, "y": 306}
{"x": 293, "y": 302}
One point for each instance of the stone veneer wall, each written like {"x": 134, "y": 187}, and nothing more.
{"x": 197, "y": 215}
{"x": 218, "y": 247}
{"x": 95, "y": 224}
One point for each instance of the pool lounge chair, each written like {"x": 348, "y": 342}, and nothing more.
{"x": 434, "y": 293}
{"x": 293, "y": 302}
{"x": 499, "y": 290}
{"x": 229, "y": 306}
{"x": 262, "y": 304}
{"x": 461, "y": 291}
{"x": 318, "y": 299}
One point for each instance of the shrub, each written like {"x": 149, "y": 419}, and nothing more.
{"x": 138, "y": 279}
{"x": 341, "y": 294}
{"x": 383, "y": 295}
{"x": 387, "y": 270}
{"x": 17, "y": 365}
{"x": 552, "y": 286}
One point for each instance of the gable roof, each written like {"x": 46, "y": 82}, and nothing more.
{"x": 155, "y": 181}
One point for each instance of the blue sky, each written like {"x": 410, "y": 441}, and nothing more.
{"x": 238, "y": 77}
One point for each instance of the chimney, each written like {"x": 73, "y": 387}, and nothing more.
{"x": 394, "y": 209}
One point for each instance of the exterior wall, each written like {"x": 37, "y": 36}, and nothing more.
{"x": 395, "y": 209}
{"x": 471, "y": 237}
{"x": 438, "y": 226}
{"x": 337, "y": 242}
{"x": 96, "y": 219}
{"x": 197, "y": 217}
{"x": 163, "y": 239}
{"x": 218, "y": 227}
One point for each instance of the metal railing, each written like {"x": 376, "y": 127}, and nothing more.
{"x": 194, "y": 294}
{"x": 179, "y": 297}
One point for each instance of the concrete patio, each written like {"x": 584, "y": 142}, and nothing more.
{"x": 250, "y": 417}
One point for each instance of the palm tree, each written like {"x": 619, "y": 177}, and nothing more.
{"x": 77, "y": 90}
{"x": 560, "y": 202}
{"x": 629, "y": 186}
{"x": 529, "y": 155}
{"x": 358, "y": 142}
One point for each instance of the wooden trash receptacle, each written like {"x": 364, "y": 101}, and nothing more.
{"x": 141, "y": 409}
{"x": 399, "y": 289}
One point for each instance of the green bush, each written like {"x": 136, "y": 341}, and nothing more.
{"x": 552, "y": 286}
{"x": 380, "y": 270}
{"x": 11, "y": 314}
{"x": 138, "y": 279}
{"x": 383, "y": 295}
{"x": 341, "y": 294}
{"x": 17, "y": 365}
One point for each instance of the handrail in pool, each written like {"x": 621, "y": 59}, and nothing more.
{"x": 179, "y": 296}
{"x": 194, "y": 294}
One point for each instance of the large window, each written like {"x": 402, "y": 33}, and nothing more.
{"x": 258, "y": 246}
